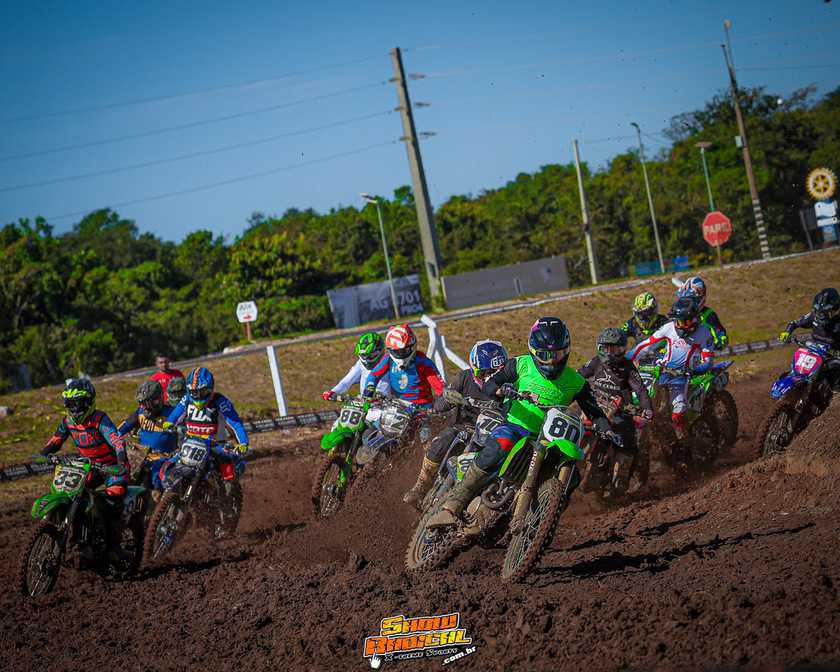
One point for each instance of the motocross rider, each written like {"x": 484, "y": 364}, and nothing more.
{"x": 687, "y": 344}
{"x": 97, "y": 439}
{"x": 149, "y": 417}
{"x": 412, "y": 376}
{"x": 824, "y": 322}
{"x": 695, "y": 287}
{"x": 544, "y": 376}
{"x": 614, "y": 380}
{"x": 486, "y": 358}
{"x": 176, "y": 389}
{"x": 646, "y": 318}
{"x": 370, "y": 353}
{"x": 203, "y": 410}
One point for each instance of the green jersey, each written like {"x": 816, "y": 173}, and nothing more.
{"x": 560, "y": 392}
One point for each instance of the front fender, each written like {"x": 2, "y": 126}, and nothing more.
{"x": 785, "y": 384}
{"x": 568, "y": 448}
{"x": 332, "y": 439}
{"x": 45, "y": 505}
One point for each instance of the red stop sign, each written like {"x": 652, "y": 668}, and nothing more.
{"x": 716, "y": 228}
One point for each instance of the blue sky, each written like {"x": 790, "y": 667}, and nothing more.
{"x": 510, "y": 84}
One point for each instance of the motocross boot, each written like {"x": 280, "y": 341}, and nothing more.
{"x": 113, "y": 535}
{"x": 424, "y": 481}
{"x": 459, "y": 497}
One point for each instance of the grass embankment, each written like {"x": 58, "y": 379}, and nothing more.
{"x": 754, "y": 302}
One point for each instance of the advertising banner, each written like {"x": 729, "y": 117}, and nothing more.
{"x": 352, "y": 306}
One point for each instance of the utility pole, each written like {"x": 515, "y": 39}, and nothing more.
{"x": 756, "y": 203}
{"x": 428, "y": 235}
{"x": 587, "y": 226}
{"x": 650, "y": 198}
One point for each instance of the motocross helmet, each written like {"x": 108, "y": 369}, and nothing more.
{"x": 685, "y": 315}
{"x": 176, "y": 389}
{"x": 826, "y": 306}
{"x": 645, "y": 310}
{"x": 695, "y": 287}
{"x": 369, "y": 349}
{"x": 200, "y": 383}
{"x": 549, "y": 345}
{"x": 402, "y": 345}
{"x": 79, "y": 399}
{"x": 611, "y": 345}
{"x": 149, "y": 396}
{"x": 486, "y": 358}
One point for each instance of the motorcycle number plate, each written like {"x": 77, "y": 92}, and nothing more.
{"x": 192, "y": 454}
{"x": 68, "y": 480}
{"x": 484, "y": 425}
{"x": 805, "y": 362}
{"x": 559, "y": 424}
{"x": 351, "y": 415}
{"x": 394, "y": 421}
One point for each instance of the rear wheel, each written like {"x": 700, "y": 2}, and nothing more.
{"x": 330, "y": 487}
{"x": 40, "y": 561}
{"x": 527, "y": 546}
{"x": 431, "y": 549}
{"x": 165, "y": 527}
{"x": 703, "y": 441}
{"x": 722, "y": 405}
{"x": 777, "y": 431}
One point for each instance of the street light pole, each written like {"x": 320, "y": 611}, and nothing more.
{"x": 370, "y": 199}
{"x": 650, "y": 198}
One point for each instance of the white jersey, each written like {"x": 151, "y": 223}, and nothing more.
{"x": 360, "y": 374}
{"x": 681, "y": 353}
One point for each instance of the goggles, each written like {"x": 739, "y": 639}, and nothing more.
{"x": 550, "y": 356}
{"x": 401, "y": 353}
{"x": 613, "y": 349}
{"x": 686, "y": 324}
{"x": 201, "y": 393}
{"x": 77, "y": 405}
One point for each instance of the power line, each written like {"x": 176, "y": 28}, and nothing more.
{"x": 192, "y": 124}
{"x": 790, "y": 67}
{"x": 613, "y": 138}
{"x": 183, "y": 94}
{"x": 234, "y": 180}
{"x": 192, "y": 155}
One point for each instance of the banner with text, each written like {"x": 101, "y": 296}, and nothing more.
{"x": 352, "y": 306}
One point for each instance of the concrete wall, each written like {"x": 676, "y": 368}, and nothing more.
{"x": 505, "y": 282}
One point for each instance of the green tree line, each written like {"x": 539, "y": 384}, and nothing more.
{"x": 104, "y": 297}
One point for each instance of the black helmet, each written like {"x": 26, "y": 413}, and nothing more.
{"x": 176, "y": 388}
{"x": 826, "y": 306}
{"x": 150, "y": 396}
{"x": 79, "y": 399}
{"x": 684, "y": 313}
{"x": 549, "y": 344}
{"x": 611, "y": 345}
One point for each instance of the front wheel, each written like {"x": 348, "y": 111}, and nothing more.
{"x": 725, "y": 411}
{"x": 330, "y": 485}
{"x": 40, "y": 560}
{"x": 527, "y": 546}
{"x": 431, "y": 549}
{"x": 777, "y": 431}
{"x": 703, "y": 441}
{"x": 167, "y": 524}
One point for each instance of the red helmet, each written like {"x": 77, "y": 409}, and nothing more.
{"x": 402, "y": 344}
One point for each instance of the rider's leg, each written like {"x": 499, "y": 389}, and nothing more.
{"x": 115, "y": 491}
{"x": 486, "y": 462}
{"x": 431, "y": 462}
{"x": 624, "y": 427}
{"x": 678, "y": 391}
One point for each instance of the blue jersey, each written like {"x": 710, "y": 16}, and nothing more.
{"x": 418, "y": 383}
{"x": 203, "y": 420}
{"x": 151, "y": 434}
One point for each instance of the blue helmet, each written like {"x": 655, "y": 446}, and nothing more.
{"x": 200, "y": 385}
{"x": 487, "y": 357}
{"x": 694, "y": 288}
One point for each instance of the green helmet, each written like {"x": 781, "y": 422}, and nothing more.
{"x": 79, "y": 399}
{"x": 369, "y": 348}
{"x": 645, "y": 309}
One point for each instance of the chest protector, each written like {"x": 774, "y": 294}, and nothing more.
{"x": 90, "y": 441}
{"x": 203, "y": 422}
{"x": 558, "y": 392}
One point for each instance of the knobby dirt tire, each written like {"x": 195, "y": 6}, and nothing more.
{"x": 518, "y": 563}
{"x": 318, "y": 485}
{"x": 723, "y": 407}
{"x": 439, "y": 554}
{"x": 44, "y": 529}
{"x": 168, "y": 499}
{"x": 782, "y": 409}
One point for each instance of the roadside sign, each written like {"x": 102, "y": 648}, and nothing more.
{"x": 826, "y": 212}
{"x": 246, "y": 311}
{"x": 716, "y": 228}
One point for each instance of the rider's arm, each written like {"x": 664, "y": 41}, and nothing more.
{"x": 806, "y": 321}
{"x": 55, "y": 442}
{"x": 648, "y": 343}
{"x": 353, "y": 376}
{"x": 717, "y": 329}
{"x": 129, "y": 424}
{"x": 588, "y": 369}
{"x": 232, "y": 419}
{"x": 178, "y": 412}
{"x": 427, "y": 371}
{"x": 586, "y": 400}
{"x": 638, "y": 386}
{"x": 506, "y": 375}
{"x": 457, "y": 384}
{"x": 629, "y": 328}
{"x": 112, "y": 438}
{"x": 377, "y": 373}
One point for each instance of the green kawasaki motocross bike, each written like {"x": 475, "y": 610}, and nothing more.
{"x": 524, "y": 499}
{"x": 72, "y": 517}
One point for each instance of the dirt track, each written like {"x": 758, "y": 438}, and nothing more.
{"x": 740, "y": 569}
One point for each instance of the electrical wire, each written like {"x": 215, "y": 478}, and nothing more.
{"x": 183, "y": 94}
{"x": 234, "y": 180}
{"x": 789, "y": 67}
{"x": 192, "y": 124}
{"x": 192, "y": 155}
